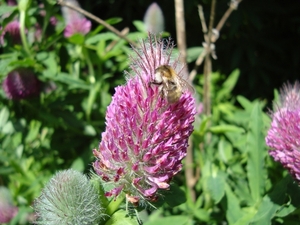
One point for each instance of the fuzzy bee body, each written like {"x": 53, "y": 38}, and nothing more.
{"x": 171, "y": 85}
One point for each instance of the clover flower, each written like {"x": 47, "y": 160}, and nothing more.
{"x": 20, "y": 84}
{"x": 80, "y": 25}
{"x": 75, "y": 21}
{"x": 7, "y": 210}
{"x": 154, "y": 19}
{"x": 13, "y": 30}
{"x": 284, "y": 134}
{"x": 146, "y": 137}
{"x": 68, "y": 198}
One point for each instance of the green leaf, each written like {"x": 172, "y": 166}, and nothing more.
{"x": 7, "y": 9}
{"x": 72, "y": 82}
{"x": 228, "y": 86}
{"x": 140, "y": 26}
{"x": 216, "y": 186}
{"x": 272, "y": 203}
{"x": 174, "y": 191}
{"x": 78, "y": 164}
{"x": 193, "y": 53}
{"x": 256, "y": 153}
{"x": 4, "y": 115}
{"x": 77, "y": 39}
{"x": 101, "y": 37}
{"x": 233, "y": 211}
{"x": 170, "y": 220}
{"x": 225, "y": 150}
{"x": 245, "y": 103}
{"x": 89, "y": 130}
{"x": 226, "y": 128}
{"x": 121, "y": 218}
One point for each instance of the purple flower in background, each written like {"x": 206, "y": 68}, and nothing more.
{"x": 80, "y": 25}
{"x": 53, "y": 19}
{"x": 146, "y": 137}
{"x": 7, "y": 210}
{"x": 75, "y": 21}
{"x": 13, "y": 30}
{"x": 11, "y": 2}
{"x": 21, "y": 83}
{"x": 284, "y": 135}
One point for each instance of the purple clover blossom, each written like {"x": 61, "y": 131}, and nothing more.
{"x": 284, "y": 135}
{"x": 80, "y": 25}
{"x": 20, "y": 84}
{"x": 75, "y": 21}
{"x": 146, "y": 137}
{"x": 13, "y": 30}
{"x": 7, "y": 210}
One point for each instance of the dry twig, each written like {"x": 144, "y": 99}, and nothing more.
{"x": 95, "y": 18}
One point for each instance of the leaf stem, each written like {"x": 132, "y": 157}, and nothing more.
{"x": 22, "y": 31}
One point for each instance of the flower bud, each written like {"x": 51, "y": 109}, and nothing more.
{"x": 20, "y": 84}
{"x": 68, "y": 198}
{"x": 154, "y": 19}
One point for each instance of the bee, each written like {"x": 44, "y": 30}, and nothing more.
{"x": 171, "y": 85}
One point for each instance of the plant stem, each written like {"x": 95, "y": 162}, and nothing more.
{"x": 114, "y": 205}
{"x": 22, "y": 32}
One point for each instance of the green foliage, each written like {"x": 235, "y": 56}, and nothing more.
{"x": 238, "y": 183}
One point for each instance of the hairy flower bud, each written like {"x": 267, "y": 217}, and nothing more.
{"x": 7, "y": 210}
{"x": 68, "y": 198}
{"x": 284, "y": 134}
{"x": 146, "y": 136}
{"x": 20, "y": 84}
{"x": 154, "y": 19}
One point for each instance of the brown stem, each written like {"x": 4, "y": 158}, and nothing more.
{"x": 180, "y": 30}
{"x": 181, "y": 43}
{"x": 113, "y": 43}
{"x": 191, "y": 175}
{"x": 233, "y": 6}
{"x": 207, "y": 63}
{"x": 97, "y": 19}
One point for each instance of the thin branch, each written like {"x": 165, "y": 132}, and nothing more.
{"x": 181, "y": 42}
{"x": 180, "y": 30}
{"x": 189, "y": 172}
{"x": 202, "y": 20}
{"x": 97, "y": 19}
{"x": 207, "y": 63}
{"x": 113, "y": 43}
{"x": 232, "y": 6}
{"x": 198, "y": 62}
{"x": 214, "y": 35}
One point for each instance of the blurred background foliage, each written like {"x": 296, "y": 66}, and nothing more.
{"x": 257, "y": 51}
{"x": 260, "y": 38}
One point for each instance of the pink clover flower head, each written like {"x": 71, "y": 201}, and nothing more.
{"x": 75, "y": 21}
{"x": 20, "y": 84}
{"x": 80, "y": 25}
{"x": 284, "y": 134}
{"x": 11, "y": 2}
{"x": 13, "y": 30}
{"x": 146, "y": 137}
{"x": 7, "y": 210}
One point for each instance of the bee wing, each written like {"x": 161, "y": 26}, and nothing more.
{"x": 187, "y": 86}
